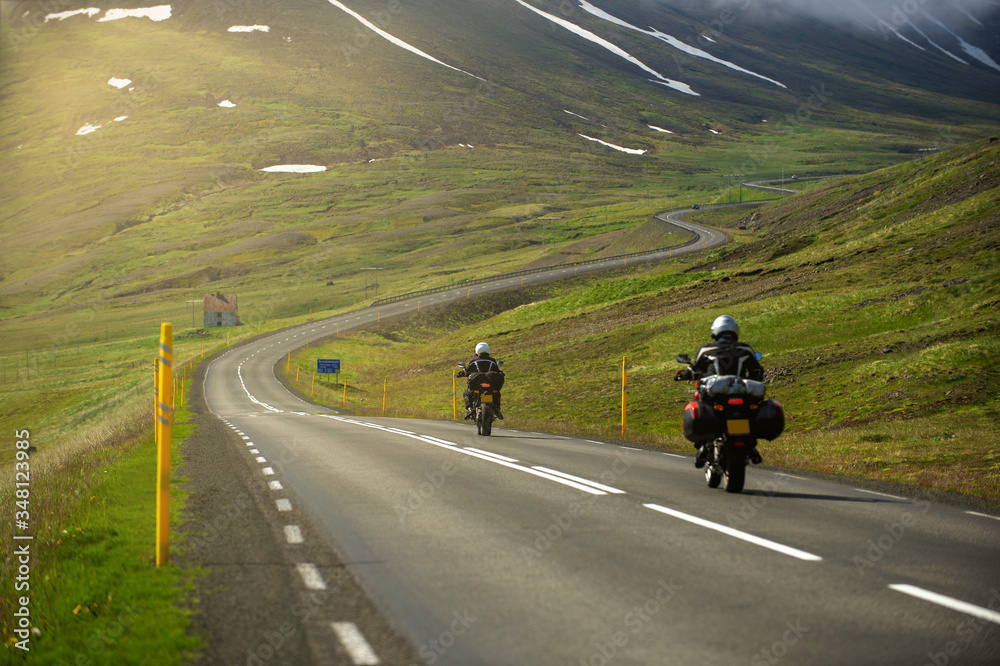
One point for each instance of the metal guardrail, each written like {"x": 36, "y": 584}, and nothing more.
{"x": 529, "y": 271}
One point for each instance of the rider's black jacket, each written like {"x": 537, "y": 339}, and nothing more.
{"x": 480, "y": 363}
{"x": 725, "y": 356}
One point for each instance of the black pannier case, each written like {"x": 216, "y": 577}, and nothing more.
{"x": 770, "y": 421}
{"x": 700, "y": 422}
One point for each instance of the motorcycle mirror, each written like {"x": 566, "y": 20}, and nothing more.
{"x": 500, "y": 363}
{"x": 757, "y": 354}
{"x": 684, "y": 358}
{"x": 461, "y": 365}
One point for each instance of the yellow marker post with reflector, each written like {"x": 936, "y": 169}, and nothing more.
{"x": 164, "y": 416}
{"x": 624, "y": 392}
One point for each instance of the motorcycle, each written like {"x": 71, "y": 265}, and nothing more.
{"x": 728, "y": 415}
{"x": 485, "y": 398}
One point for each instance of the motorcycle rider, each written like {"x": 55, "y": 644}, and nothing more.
{"x": 725, "y": 355}
{"x": 481, "y": 362}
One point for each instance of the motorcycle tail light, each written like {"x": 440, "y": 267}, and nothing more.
{"x": 735, "y": 401}
{"x": 485, "y": 385}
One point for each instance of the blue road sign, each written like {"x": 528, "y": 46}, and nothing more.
{"x": 327, "y": 365}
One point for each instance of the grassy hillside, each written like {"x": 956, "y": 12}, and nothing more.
{"x": 873, "y": 299}
{"x": 108, "y": 233}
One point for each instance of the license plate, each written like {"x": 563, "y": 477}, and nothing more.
{"x": 738, "y": 427}
{"x": 489, "y": 398}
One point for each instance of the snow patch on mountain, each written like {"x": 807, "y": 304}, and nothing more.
{"x": 618, "y": 51}
{"x": 395, "y": 40}
{"x": 630, "y": 151}
{"x": 157, "y": 13}
{"x": 294, "y": 168}
{"x": 935, "y": 44}
{"x": 970, "y": 50}
{"x": 659, "y": 129}
{"x": 118, "y": 83}
{"x": 249, "y": 28}
{"x": 673, "y": 41}
{"x": 90, "y": 11}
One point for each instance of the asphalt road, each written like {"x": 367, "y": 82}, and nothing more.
{"x": 530, "y": 548}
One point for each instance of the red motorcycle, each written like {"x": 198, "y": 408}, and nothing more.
{"x": 727, "y": 417}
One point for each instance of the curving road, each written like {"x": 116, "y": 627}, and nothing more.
{"x": 531, "y": 548}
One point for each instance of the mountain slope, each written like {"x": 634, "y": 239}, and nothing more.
{"x": 117, "y": 192}
{"x": 873, "y": 299}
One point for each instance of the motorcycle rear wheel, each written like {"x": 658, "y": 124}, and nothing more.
{"x": 736, "y": 472}
{"x": 484, "y": 422}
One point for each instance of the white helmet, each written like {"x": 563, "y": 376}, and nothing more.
{"x": 482, "y": 348}
{"x": 725, "y": 324}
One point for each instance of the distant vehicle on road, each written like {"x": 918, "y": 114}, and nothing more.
{"x": 696, "y": 207}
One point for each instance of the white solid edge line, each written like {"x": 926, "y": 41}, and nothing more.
{"x": 455, "y": 447}
{"x": 595, "y": 484}
{"x": 872, "y": 492}
{"x": 354, "y": 642}
{"x": 948, "y": 602}
{"x": 982, "y": 515}
{"x": 310, "y": 576}
{"x": 490, "y": 453}
{"x": 293, "y": 534}
{"x": 766, "y": 543}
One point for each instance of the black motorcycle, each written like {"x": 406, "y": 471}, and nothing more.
{"x": 485, "y": 388}
{"x": 727, "y": 417}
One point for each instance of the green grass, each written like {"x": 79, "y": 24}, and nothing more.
{"x": 95, "y": 595}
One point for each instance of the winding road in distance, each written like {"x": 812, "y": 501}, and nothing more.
{"x": 532, "y": 548}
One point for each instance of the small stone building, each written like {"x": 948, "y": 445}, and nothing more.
{"x": 220, "y": 310}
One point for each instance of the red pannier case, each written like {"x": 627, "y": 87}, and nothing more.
{"x": 770, "y": 421}
{"x": 700, "y": 423}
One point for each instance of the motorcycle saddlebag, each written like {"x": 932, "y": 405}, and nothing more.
{"x": 700, "y": 423}
{"x": 770, "y": 420}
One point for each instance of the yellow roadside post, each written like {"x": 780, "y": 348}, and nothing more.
{"x": 313, "y": 390}
{"x": 624, "y": 392}
{"x": 385, "y": 394}
{"x": 297, "y": 368}
{"x": 164, "y": 415}
{"x": 345, "y": 393}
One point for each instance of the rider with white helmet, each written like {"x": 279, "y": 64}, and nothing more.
{"x": 481, "y": 362}
{"x": 725, "y": 355}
